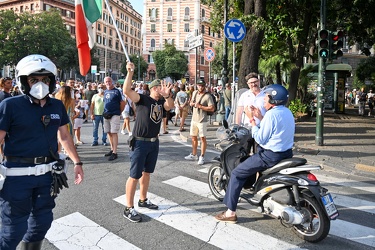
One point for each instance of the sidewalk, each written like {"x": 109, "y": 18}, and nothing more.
{"x": 348, "y": 142}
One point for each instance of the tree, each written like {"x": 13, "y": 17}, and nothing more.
{"x": 143, "y": 66}
{"x": 44, "y": 33}
{"x": 365, "y": 71}
{"x": 170, "y": 62}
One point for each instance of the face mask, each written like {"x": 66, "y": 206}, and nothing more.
{"x": 72, "y": 94}
{"x": 78, "y": 96}
{"x": 39, "y": 90}
{"x": 100, "y": 91}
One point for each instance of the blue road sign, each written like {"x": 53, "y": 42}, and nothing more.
{"x": 234, "y": 30}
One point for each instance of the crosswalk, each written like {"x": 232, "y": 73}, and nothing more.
{"x": 75, "y": 231}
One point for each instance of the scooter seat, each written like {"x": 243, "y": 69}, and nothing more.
{"x": 286, "y": 163}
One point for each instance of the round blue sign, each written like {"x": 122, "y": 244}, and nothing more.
{"x": 234, "y": 30}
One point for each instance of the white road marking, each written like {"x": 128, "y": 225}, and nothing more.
{"x": 340, "y": 228}
{"x": 76, "y": 232}
{"x": 204, "y": 227}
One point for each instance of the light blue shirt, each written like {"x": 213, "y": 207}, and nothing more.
{"x": 276, "y": 130}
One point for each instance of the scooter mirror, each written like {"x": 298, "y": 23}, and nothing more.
{"x": 225, "y": 124}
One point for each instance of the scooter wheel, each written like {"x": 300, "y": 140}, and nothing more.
{"x": 217, "y": 181}
{"x": 317, "y": 224}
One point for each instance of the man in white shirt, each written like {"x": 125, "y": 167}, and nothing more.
{"x": 252, "y": 97}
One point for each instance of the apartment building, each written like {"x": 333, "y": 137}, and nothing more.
{"x": 109, "y": 48}
{"x": 172, "y": 21}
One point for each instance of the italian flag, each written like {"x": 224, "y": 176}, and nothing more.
{"x": 87, "y": 12}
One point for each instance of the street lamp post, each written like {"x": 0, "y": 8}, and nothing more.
{"x": 139, "y": 67}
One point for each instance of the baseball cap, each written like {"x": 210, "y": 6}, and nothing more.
{"x": 201, "y": 82}
{"x": 154, "y": 83}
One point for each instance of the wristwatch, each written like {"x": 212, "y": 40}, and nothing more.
{"x": 78, "y": 163}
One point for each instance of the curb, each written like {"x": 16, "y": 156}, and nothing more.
{"x": 366, "y": 168}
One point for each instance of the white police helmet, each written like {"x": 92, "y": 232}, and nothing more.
{"x": 35, "y": 65}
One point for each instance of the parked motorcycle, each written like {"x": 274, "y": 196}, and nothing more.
{"x": 288, "y": 191}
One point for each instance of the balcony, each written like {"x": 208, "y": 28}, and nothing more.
{"x": 152, "y": 19}
{"x": 186, "y": 18}
{"x": 169, "y": 18}
{"x": 153, "y": 31}
{"x": 151, "y": 49}
{"x": 205, "y": 20}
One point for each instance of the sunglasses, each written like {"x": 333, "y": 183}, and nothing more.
{"x": 45, "y": 80}
{"x": 7, "y": 78}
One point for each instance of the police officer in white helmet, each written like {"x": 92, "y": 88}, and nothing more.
{"x": 31, "y": 125}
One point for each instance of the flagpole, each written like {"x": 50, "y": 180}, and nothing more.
{"x": 117, "y": 30}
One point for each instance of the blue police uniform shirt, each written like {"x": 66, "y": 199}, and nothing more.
{"x": 112, "y": 99}
{"x": 276, "y": 130}
{"x": 26, "y": 135}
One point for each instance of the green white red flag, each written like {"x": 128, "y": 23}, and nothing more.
{"x": 87, "y": 12}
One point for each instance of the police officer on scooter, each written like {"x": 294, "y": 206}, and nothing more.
{"x": 31, "y": 124}
{"x": 275, "y": 136}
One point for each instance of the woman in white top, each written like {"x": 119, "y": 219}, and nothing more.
{"x": 129, "y": 111}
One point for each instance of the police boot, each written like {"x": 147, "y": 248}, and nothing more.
{"x": 31, "y": 245}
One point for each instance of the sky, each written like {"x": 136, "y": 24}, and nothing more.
{"x": 137, "y": 5}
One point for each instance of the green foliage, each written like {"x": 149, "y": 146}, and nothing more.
{"x": 365, "y": 71}
{"x": 143, "y": 65}
{"x": 43, "y": 33}
{"x": 297, "y": 107}
{"x": 170, "y": 62}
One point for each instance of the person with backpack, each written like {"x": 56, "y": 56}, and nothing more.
{"x": 202, "y": 103}
{"x": 362, "y": 97}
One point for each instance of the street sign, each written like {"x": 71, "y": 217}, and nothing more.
{"x": 234, "y": 30}
{"x": 94, "y": 69}
{"x": 209, "y": 54}
{"x": 195, "y": 41}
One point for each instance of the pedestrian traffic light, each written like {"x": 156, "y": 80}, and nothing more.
{"x": 323, "y": 44}
{"x": 336, "y": 44}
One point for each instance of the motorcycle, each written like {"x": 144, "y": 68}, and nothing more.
{"x": 288, "y": 191}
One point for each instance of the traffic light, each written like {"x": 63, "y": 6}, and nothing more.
{"x": 336, "y": 44}
{"x": 323, "y": 44}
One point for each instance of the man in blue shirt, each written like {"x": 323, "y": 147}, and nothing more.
{"x": 275, "y": 136}
{"x": 113, "y": 106}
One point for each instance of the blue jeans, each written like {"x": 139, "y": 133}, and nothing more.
{"x": 98, "y": 119}
{"x": 227, "y": 112}
{"x": 26, "y": 209}
{"x": 258, "y": 162}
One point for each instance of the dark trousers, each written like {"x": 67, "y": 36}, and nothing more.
{"x": 258, "y": 162}
{"x": 26, "y": 209}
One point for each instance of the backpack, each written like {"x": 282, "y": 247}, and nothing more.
{"x": 210, "y": 113}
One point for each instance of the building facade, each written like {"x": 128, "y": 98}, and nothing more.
{"x": 173, "y": 21}
{"x": 109, "y": 49}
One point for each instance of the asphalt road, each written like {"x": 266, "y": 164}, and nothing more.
{"x": 185, "y": 218}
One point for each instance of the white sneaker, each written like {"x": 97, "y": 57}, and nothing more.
{"x": 123, "y": 132}
{"x": 191, "y": 157}
{"x": 130, "y": 133}
{"x": 201, "y": 160}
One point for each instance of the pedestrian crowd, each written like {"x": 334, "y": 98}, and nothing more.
{"x": 362, "y": 99}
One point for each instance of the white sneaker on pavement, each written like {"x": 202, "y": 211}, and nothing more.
{"x": 191, "y": 157}
{"x": 123, "y": 132}
{"x": 201, "y": 160}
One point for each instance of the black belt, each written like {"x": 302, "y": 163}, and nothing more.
{"x": 36, "y": 160}
{"x": 153, "y": 139}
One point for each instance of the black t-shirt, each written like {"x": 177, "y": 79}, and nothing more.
{"x": 149, "y": 117}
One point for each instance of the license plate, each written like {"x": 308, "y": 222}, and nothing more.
{"x": 330, "y": 207}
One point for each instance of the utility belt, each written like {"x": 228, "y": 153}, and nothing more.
{"x": 153, "y": 139}
{"x": 36, "y": 170}
{"x": 35, "y": 161}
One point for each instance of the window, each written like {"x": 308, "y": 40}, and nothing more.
{"x": 152, "y": 42}
{"x": 203, "y": 13}
{"x": 110, "y": 32}
{"x": 32, "y": 7}
{"x": 170, "y": 11}
{"x": 202, "y": 29}
{"x": 187, "y": 27}
{"x": 153, "y": 28}
{"x": 169, "y": 29}
{"x": 68, "y": 14}
{"x": 98, "y": 39}
{"x": 105, "y": 29}
{"x": 202, "y": 60}
{"x": 187, "y": 11}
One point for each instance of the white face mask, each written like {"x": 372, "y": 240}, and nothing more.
{"x": 100, "y": 91}
{"x": 39, "y": 90}
{"x": 78, "y": 96}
